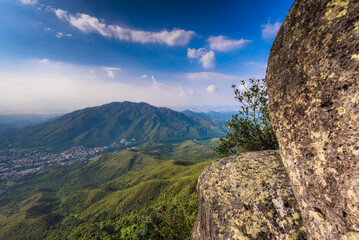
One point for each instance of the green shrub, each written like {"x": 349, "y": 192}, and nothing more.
{"x": 250, "y": 129}
{"x": 176, "y": 223}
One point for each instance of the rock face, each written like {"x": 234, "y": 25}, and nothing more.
{"x": 313, "y": 87}
{"x": 247, "y": 196}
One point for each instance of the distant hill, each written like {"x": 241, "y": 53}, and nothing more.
{"x": 99, "y": 126}
{"x": 9, "y": 122}
{"x": 220, "y": 116}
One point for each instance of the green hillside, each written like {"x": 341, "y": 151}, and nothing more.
{"x": 99, "y": 126}
{"x": 107, "y": 198}
{"x": 220, "y": 116}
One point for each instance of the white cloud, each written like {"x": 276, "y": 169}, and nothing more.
{"x": 29, "y": 2}
{"x": 181, "y": 91}
{"x": 89, "y": 24}
{"x": 111, "y": 74}
{"x": 257, "y": 64}
{"x": 112, "y": 68}
{"x": 269, "y": 30}
{"x": 222, "y": 43}
{"x": 196, "y": 53}
{"x": 211, "y": 89}
{"x": 47, "y": 29}
{"x": 210, "y": 76}
{"x": 111, "y": 71}
{"x": 45, "y": 60}
{"x": 206, "y": 58}
{"x": 241, "y": 87}
{"x": 60, "y": 13}
{"x": 144, "y": 76}
{"x": 46, "y": 86}
{"x": 155, "y": 84}
{"x": 61, "y": 35}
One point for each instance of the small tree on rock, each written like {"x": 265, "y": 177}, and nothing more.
{"x": 250, "y": 129}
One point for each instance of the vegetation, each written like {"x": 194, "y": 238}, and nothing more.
{"x": 172, "y": 224}
{"x": 191, "y": 150}
{"x": 219, "y": 116}
{"x": 250, "y": 130}
{"x": 103, "y": 125}
{"x": 123, "y": 195}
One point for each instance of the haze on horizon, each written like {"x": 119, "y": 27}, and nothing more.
{"x": 59, "y": 56}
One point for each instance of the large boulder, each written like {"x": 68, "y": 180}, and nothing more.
{"x": 313, "y": 87}
{"x": 247, "y": 196}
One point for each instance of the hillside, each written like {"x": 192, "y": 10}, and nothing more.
{"x": 15, "y": 121}
{"x": 99, "y": 126}
{"x": 9, "y": 123}
{"x": 106, "y": 198}
{"x": 220, "y": 116}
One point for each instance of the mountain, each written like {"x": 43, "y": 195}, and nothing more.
{"x": 106, "y": 198}
{"x": 11, "y": 122}
{"x": 99, "y": 126}
{"x": 220, "y": 116}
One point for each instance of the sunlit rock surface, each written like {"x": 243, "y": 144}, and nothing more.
{"x": 247, "y": 196}
{"x": 313, "y": 77}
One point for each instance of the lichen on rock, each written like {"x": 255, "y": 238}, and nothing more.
{"x": 313, "y": 88}
{"x": 247, "y": 196}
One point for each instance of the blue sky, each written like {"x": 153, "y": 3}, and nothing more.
{"x": 58, "y": 56}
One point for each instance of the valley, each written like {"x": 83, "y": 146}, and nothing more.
{"x": 109, "y": 172}
{"x": 108, "y": 197}
{"x": 18, "y": 164}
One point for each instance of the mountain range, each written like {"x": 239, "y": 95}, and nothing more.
{"x": 221, "y": 116}
{"x": 116, "y": 195}
{"x": 102, "y": 125}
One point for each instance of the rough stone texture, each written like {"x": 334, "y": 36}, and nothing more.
{"x": 247, "y": 196}
{"x": 313, "y": 77}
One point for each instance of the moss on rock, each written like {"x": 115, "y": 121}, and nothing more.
{"x": 313, "y": 76}
{"x": 247, "y": 196}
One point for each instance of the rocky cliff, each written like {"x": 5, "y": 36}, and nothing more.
{"x": 313, "y": 87}
{"x": 247, "y": 196}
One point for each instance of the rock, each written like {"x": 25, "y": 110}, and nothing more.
{"x": 313, "y": 88}
{"x": 247, "y": 196}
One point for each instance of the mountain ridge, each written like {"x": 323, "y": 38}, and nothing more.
{"x": 102, "y": 125}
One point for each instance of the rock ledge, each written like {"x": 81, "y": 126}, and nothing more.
{"x": 247, "y": 196}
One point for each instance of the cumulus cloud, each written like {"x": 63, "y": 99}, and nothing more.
{"x": 207, "y": 60}
{"x": 89, "y": 24}
{"x": 59, "y": 13}
{"x": 211, "y": 89}
{"x": 61, "y": 35}
{"x": 205, "y": 57}
{"x": 224, "y": 44}
{"x": 269, "y": 30}
{"x": 29, "y": 2}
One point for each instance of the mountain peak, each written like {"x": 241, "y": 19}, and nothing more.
{"x": 103, "y": 125}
